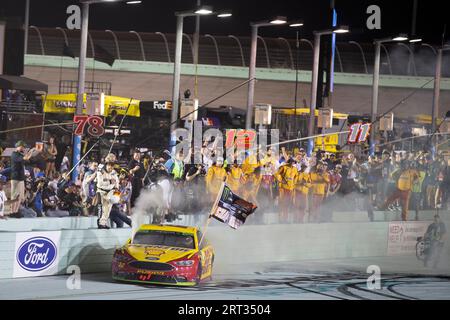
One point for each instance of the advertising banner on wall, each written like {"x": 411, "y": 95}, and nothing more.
{"x": 36, "y": 254}
{"x": 403, "y": 236}
{"x": 66, "y": 103}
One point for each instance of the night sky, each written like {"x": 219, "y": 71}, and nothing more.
{"x": 152, "y": 16}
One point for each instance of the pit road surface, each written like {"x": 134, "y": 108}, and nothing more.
{"x": 403, "y": 278}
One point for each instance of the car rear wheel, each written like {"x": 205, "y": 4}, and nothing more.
{"x": 212, "y": 265}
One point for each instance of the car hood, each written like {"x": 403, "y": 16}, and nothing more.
{"x": 158, "y": 253}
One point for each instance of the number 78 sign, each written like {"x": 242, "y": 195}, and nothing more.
{"x": 359, "y": 132}
{"x": 94, "y": 125}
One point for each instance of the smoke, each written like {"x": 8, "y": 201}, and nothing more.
{"x": 262, "y": 244}
{"x": 145, "y": 205}
{"x": 164, "y": 197}
{"x": 422, "y": 62}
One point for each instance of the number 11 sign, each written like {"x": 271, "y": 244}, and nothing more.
{"x": 359, "y": 132}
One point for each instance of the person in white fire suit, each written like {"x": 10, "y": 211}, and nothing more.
{"x": 107, "y": 188}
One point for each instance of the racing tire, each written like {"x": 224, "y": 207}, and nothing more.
{"x": 199, "y": 274}
{"x": 420, "y": 250}
{"x": 212, "y": 265}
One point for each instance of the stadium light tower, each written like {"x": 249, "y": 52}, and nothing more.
{"x": 279, "y": 20}
{"x": 375, "y": 84}
{"x": 315, "y": 79}
{"x": 199, "y": 11}
{"x": 296, "y": 25}
{"x": 82, "y": 72}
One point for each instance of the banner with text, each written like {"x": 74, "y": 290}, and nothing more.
{"x": 36, "y": 254}
{"x": 403, "y": 236}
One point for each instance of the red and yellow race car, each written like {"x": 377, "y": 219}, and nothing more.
{"x": 164, "y": 254}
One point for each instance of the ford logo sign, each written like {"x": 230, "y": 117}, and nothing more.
{"x": 36, "y": 254}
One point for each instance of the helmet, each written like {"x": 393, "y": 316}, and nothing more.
{"x": 114, "y": 196}
{"x": 124, "y": 171}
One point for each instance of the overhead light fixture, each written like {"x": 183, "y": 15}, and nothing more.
{"x": 279, "y": 20}
{"x": 400, "y": 37}
{"x": 98, "y": 1}
{"x": 415, "y": 40}
{"x": 204, "y": 10}
{"x": 224, "y": 14}
{"x": 134, "y": 2}
{"x": 295, "y": 24}
{"x": 342, "y": 29}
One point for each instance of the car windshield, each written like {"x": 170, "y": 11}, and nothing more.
{"x": 164, "y": 238}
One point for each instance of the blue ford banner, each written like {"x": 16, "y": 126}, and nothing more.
{"x": 36, "y": 253}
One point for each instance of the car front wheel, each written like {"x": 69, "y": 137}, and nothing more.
{"x": 199, "y": 273}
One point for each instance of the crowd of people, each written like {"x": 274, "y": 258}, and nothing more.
{"x": 299, "y": 188}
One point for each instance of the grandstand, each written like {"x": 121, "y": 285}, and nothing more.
{"x": 275, "y": 53}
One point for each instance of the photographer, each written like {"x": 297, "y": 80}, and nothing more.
{"x": 51, "y": 201}
{"x": 194, "y": 186}
{"x": 18, "y": 161}
{"x": 70, "y": 199}
{"x": 3, "y": 198}
{"x": 37, "y": 204}
{"x": 436, "y": 234}
{"x": 137, "y": 171}
{"x": 88, "y": 189}
{"x": 25, "y": 208}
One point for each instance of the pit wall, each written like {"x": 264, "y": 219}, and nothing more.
{"x": 92, "y": 249}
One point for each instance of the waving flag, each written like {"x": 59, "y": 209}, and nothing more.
{"x": 67, "y": 51}
{"x": 231, "y": 209}
{"x": 102, "y": 55}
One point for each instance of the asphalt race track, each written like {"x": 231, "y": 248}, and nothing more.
{"x": 403, "y": 278}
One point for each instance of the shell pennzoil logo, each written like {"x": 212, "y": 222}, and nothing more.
{"x": 154, "y": 252}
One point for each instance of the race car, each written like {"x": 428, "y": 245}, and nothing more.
{"x": 164, "y": 254}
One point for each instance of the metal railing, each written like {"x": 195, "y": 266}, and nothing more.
{"x": 352, "y": 57}
{"x": 16, "y": 106}
{"x": 70, "y": 86}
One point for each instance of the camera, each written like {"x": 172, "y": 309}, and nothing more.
{"x": 202, "y": 170}
{"x": 170, "y": 217}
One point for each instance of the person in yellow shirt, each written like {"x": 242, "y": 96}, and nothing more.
{"x": 405, "y": 183}
{"x": 266, "y": 192}
{"x": 252, "y": 183}
{"x": 235, "y": 178}
{"x": 268, "y": 159}
{"x": 319, "y": 184}
{"x": 250, "y": 163}
{"x": 301, "y": 194}
{"x": 287, "y": 176}
{"x": 214, "y": 179}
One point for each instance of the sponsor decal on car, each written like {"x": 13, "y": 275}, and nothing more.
{"x": 149, "y": 251}
{"x": 141, "y": 271}
{"x": 150, "y": 258}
